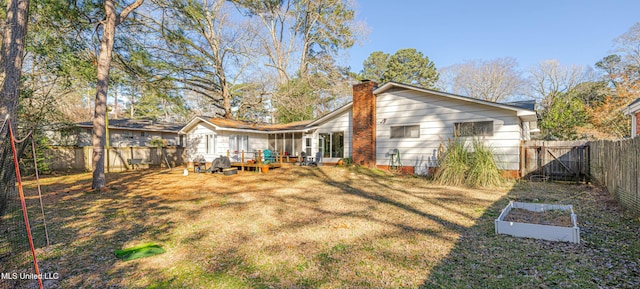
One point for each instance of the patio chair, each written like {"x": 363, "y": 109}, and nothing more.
{"x": 317, "y": 160}
{"x": 313, "y": 162}
{"x": 304, "y": 160}
{"x": 268, "y": 157}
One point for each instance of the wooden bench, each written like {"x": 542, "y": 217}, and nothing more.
{"x": 229, "y": 171}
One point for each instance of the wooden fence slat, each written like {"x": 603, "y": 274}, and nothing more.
{"x": 79, "y": 158}
{"x": 560, "y": 160}
{"x": 615, "y": 165}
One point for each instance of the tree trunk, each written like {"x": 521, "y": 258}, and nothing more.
{"x": 102, "y": 86}
{"x": 12, "y": 56}
{"x": 226, "y": 96}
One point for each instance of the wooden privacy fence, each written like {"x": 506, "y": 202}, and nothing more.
{"x": 80, "y": 158}
{"x": 614, "y": 165}
{"x": 555, "y": 160}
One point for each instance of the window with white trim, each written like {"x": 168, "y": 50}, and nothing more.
{"x": 127, "y": 134}
{"x": 238, "y": 143}
{"x": 476, "y": 128}
{"x": 406, "y": 131}
{"x": 210, "y": 142}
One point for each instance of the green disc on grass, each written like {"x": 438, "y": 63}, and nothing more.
{"x": 140, "y": 251}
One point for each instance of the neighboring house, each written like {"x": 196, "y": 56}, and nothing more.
{"x": 633, "y": 110}
{"x": 415, "y": 121}
{"x": 122, "y": 133}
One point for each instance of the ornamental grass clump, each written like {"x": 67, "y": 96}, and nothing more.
{"x": 483, "y": 171}
{"x": 458, "y": 165}
{"x": 453, "y": 164}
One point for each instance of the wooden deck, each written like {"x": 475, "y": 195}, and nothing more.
{"x": 258, "y": 167}
{"x": 279, "y": 161}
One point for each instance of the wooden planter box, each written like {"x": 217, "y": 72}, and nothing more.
{"x": 545, "y": 232}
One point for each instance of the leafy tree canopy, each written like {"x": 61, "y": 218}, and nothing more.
{"x": 405, "y": 66}
{"x": 560, "y": 120}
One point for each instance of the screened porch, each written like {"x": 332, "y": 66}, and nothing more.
{"x": 289, "y": 144}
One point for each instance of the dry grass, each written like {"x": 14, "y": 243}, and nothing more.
{"x": 324, "y": 227}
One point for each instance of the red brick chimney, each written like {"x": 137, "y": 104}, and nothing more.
{"x": 637, "y": 122}
{"x": 364, "y": 124}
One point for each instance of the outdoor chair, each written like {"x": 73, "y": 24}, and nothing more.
{"x": 318, "y": 159}
{"x": 304, "y": 161}
{"x": 313, "y": 162}
{"x": 268, "y": 157}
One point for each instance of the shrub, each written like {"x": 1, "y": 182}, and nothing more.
{"x": 459, "y": 166}
{"x": 483, "y": 171}
{"x": 453, "y": 164}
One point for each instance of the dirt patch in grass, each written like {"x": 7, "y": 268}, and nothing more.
{"x": 326, "y": 227}
{"x": 549, "y": 217}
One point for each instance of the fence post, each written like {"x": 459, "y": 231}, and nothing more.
{"x": 522, "y": 160}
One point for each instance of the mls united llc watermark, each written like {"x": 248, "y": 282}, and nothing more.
{"x": 28, "y": 276}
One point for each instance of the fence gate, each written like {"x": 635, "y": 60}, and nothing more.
{"x": 555, "y": 160}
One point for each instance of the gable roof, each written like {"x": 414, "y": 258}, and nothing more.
{"x": 137, "y": 124}
{"x": 332, "y": 114}
{"x": 245, "y": 126}
{"x": 525, "y": 113}
{"x": 230, "y": 123}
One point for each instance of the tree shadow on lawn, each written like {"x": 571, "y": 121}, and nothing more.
{"x": 375, "y": 238}
{"x": 85, "y": 226}
{"x": 607, "y": 257}
{"x": 308, "y": 228}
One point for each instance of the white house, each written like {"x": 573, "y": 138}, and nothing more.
{"x": 633, "y": 109}
{"x": 380, "y": 123}
{"x": 207, "y": 138}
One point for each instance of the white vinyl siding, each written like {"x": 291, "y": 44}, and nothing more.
{"x": 197, "y": 143}
{"x": 437, "y": 117}
{"x": 407, "y": 131}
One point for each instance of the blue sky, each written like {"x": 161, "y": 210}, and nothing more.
{"x": 450, "y": 32}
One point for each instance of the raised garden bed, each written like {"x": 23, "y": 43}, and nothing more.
{"x": 539, "y": 221}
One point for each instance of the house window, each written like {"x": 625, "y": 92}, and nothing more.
{"x": 272, "y": 142}
{"x": 478, "y": 128}
{"x": 325, "y": 145}
{"x": 407, "y": 131}
{"x": 144, "y": 134}
{"x": 210, "y": 141}
{"x": 332, "y": 145}
{"x": 238, "y": 143}
{"x": 307, "y": 146}
{"x": 337, "y": 144}
{"x": 127, "y": 134}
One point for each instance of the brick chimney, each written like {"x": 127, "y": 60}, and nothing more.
{"x": 637, "y": 123}
{"x": 364, "y": 124}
